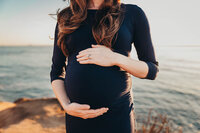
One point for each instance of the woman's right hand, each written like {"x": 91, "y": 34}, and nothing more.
{"x": 83, "y": 110}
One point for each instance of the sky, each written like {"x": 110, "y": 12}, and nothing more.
{"x": 26, "y": 22}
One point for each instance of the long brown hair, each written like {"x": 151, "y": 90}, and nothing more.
{"x": 108, "y": 21}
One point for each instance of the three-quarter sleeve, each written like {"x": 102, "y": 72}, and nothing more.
{"x": 143, "y": 43}
{"x": 58, "y": 60}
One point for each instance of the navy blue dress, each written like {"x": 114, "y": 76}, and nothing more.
{"x": 101, "y": 86}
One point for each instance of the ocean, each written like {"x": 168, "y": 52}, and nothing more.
{"x": 24, "y": 72}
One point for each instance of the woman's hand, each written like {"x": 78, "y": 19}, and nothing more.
{"x": 83, "y": 110}
{"x": 99, "y": 54}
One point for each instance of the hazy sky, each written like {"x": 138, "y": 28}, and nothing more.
{"x": 172, "y": 22}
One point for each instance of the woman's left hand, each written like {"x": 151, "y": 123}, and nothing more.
{"x": 98, "y": 54}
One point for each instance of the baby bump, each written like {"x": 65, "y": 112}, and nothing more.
{"x": 95, "y": 85}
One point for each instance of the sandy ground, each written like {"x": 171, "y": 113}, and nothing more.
{"x": 43, "y": 115}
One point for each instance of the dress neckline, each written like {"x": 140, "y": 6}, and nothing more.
{"x": 92, "y": 10}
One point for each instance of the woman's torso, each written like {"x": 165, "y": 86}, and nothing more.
{"x": 90, "y": 83}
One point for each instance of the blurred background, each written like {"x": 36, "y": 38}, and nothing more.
{"x": 26, "y": 47}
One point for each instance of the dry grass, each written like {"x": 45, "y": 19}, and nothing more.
{"x": 157, "y": 124}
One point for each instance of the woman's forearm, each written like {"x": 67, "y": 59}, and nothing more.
{"x": 59, "y": 91}
{"x": 136, "y": 68}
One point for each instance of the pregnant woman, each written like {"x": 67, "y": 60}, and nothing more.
{"x": 91, "y": 66}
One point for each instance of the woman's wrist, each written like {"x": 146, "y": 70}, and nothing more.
{"x": 117, "y": 58}
{"x": 65, "y": 105}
